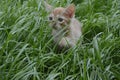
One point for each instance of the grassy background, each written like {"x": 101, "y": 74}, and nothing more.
{"x": 26, "y": 46}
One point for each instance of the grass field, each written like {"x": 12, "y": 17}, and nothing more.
{"x": 27, "y": 51}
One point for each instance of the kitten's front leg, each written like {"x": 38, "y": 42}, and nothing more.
{"x": 66, "y": 42}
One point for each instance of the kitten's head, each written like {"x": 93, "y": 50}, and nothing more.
{"x": 60, "y": 17}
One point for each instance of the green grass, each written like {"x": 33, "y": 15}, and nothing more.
{"x": 27, "y": 51}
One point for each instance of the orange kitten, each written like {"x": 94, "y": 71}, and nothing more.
{"x": 66, "y": 29}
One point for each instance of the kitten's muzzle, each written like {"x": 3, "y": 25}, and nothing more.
{"x": 54, "y": 26}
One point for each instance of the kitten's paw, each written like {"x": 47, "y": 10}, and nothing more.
{"x": 63, "y": 42}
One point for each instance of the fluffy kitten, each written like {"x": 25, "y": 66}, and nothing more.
{"x": 66, "y": 29}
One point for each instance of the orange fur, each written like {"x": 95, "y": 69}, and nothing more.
{"x": 57, "y": 11}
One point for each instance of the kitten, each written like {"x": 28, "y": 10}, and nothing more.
{"x": 66, "y": 29}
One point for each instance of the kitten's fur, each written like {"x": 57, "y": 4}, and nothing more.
{"x": 66, "y": 29}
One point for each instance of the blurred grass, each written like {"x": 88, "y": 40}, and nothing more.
{"x": 27, "y": 51}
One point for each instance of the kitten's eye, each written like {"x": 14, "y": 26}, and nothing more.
{"x": 50, "y": 18}
{"x": 60, "y": 19}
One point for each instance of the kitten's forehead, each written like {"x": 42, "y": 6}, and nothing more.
{"x": 58, "y": 11}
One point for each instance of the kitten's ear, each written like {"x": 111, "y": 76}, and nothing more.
{"x": 70, "y": 11}
{"x": 48, "y": 7}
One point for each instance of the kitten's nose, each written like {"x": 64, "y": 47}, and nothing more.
{"x": 54, "y": 26}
